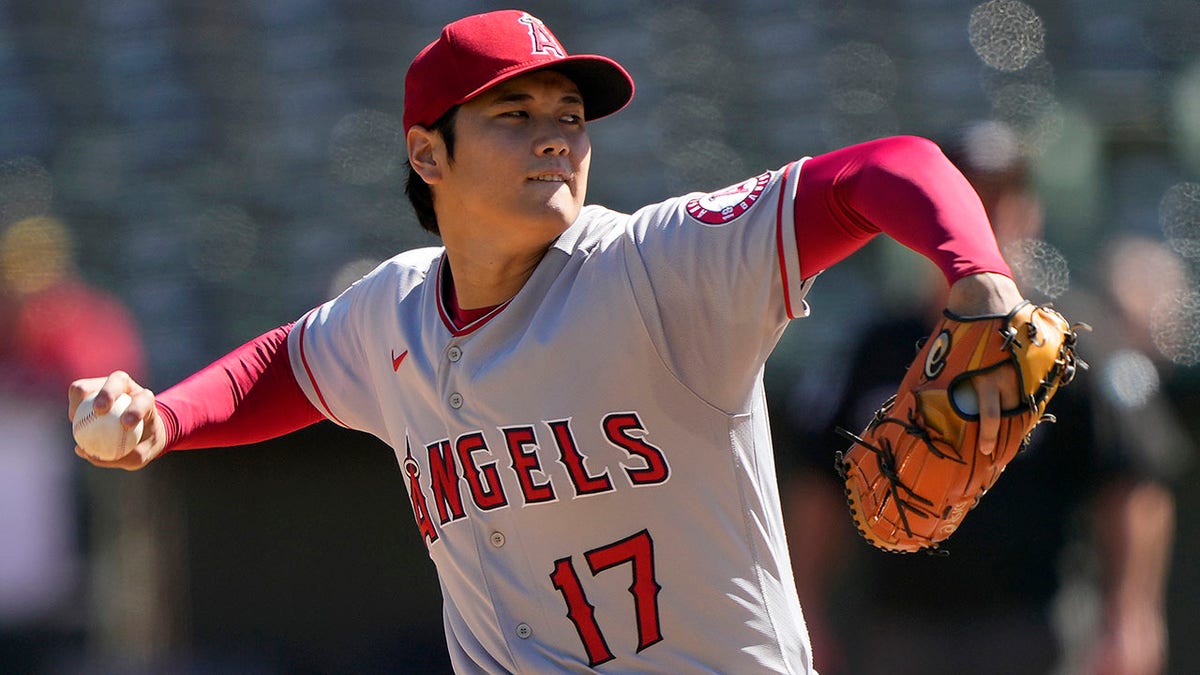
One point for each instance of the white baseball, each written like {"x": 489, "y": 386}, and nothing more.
{"x": 102, "y": 436}
{"x": 965, "y": 397}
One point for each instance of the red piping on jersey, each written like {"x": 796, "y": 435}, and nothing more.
{"x": 308, "y": 371}
{"x": 787, "y": 293}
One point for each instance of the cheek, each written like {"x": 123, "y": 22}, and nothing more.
{"x": 582, "y": 149}
{"x": 583, "y": 170}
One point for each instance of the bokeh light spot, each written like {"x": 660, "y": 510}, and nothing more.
{"x": 1129, "y": 379}
{"x": 992, "y": 146}
{"x": 1006, "y": 34}
{"x": 35, "y": 253}
{"x": 1176, "y": 327}
{"x": 1179, "y": 214}
{"x": 1039, "y": 265}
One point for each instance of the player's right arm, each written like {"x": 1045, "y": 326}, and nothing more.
{"x": 246, "y": 396}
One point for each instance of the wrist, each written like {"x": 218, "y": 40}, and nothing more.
{"x": 983, "y": 294}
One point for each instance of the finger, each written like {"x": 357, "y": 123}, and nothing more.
{"x": 988, "y": 392}
{"x": 1010, "y": 388}
{"x": 141, "y": 407}
{"x": 79, "y": 390}
{"x": 116, "y": 384}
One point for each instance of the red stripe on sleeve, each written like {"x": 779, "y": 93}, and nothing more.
{"x": 246, "y": 396}
{"x": 904, "y": 187}
{"x": 311, "y": 377}
{"x": 783, "y": 268}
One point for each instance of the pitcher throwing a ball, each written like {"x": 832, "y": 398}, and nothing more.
{"x": 575, "y": 395}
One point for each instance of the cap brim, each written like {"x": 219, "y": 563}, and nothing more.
{"x": 606, "y": 86}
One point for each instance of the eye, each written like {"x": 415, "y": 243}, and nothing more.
{"x": 514, "y": 114}
{"x": 572, "y": 118}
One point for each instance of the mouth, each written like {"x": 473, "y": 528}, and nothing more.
{"x": 550, "y": 177}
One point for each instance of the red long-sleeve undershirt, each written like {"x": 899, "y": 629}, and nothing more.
{"x": 246, "y": 396}
{"x": 902, "y": 186}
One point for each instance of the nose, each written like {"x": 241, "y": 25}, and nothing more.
{"x": 552, "y": 141}
{"x": 554, "y": 146}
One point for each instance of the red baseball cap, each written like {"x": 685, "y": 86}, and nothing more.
{"x": 481, "y": 51}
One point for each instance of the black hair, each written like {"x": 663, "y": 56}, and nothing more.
{"x": 418, "y": 191}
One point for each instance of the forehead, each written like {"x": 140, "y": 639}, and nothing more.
{"x": 538, "y": 84}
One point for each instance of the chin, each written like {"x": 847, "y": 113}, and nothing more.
{"x": 556, "y": 215}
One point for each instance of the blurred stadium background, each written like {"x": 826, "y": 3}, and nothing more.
{"x": 223, "y": 165}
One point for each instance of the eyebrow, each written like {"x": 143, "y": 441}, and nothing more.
{"x": 518, "y": 96}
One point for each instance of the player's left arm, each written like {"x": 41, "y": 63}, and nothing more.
{"x": 906, "y": 188}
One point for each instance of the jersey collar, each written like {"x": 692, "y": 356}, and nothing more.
{"x": 447, "y": 303}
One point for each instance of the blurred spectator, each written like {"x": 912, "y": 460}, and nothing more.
{"x": 58, "y": 324}
{"x": 52, "y": 324}
{"x": 1062, "y": 567}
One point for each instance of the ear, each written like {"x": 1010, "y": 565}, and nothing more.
{"x": 425, "y": 150}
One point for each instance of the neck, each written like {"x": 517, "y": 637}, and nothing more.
{"x": 493, "y": 256}
{"x": 486, "y": 280}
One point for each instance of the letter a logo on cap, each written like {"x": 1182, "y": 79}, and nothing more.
{"x": 542, "y": 39}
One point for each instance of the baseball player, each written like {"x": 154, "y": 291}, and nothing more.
{"x": 574, "y": 395}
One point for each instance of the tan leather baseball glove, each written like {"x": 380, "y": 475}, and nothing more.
{"x": 916, "y": 470}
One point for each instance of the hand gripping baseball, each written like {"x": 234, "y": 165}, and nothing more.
{"x": 923, "y": 461}
{"x": 140, "y": 409}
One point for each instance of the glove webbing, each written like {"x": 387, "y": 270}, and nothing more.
{"x": 886, "y": 457}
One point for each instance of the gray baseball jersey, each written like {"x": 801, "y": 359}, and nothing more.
{"x": 589, "y": 464}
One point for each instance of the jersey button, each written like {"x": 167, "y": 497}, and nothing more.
{"x": 524, "y": 631}
{"x": 456, "y": 400}
{"x": 497, "y": 539}
{"x": 454, "y": 354}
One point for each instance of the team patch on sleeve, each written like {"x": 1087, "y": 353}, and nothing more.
{"x": 724, "y": 206}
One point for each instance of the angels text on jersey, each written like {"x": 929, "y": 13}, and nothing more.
{"x": 468, "y": 469}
